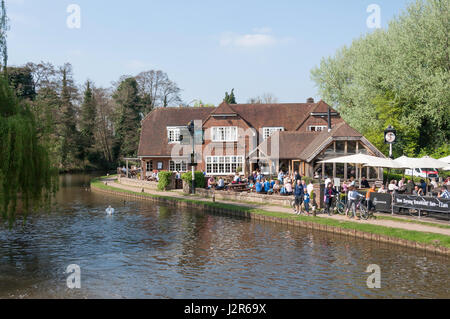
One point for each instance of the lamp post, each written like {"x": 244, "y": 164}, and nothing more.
{"x": 191, "y": 128}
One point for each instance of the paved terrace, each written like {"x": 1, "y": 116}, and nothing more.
{"x": 409, "y": 224}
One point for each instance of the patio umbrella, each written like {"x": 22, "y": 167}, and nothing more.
{"x": 447, "y": 160}
{"x": 426, "y": 161}
{"x": 357, "y": 159}
{"x": 384, "y": 162}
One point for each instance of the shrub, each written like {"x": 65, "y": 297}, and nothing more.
{"x": 164, "y": 180}
{"x": 200, "y": 180}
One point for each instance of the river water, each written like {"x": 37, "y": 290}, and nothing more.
{"x": 152, "y": 251}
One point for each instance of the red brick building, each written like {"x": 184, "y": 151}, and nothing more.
{"x": 243, "y": 137}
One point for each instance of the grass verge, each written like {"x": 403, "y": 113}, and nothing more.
{"x": 416, "y": 236}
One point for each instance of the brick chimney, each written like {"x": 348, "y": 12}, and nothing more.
{"x": 310, "y": 100}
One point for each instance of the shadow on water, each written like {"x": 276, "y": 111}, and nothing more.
{"x": 151, "y": 251}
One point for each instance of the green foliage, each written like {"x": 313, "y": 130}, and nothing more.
{"x": 398, "y": 76}
{"x": 88, "y": 122}
{"x": 27, "y": 178}
{"x": 200, "y": 180}
{"x": 21, "y": 80}
{"x": 164, "y": 180}
{"x": 128, "y": 119}
{"x": 230, "y": 98}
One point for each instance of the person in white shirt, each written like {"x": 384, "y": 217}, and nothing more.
{"x": 310, "y": 188}
{"x": 382, "y": 190}
{"x": 433, "y": 182}
{"x": 392, "y": 187}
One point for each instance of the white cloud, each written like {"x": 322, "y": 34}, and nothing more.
{"x": 261, "y": 37}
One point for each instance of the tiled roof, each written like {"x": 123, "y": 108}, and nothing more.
{"x": 153, "y": 140}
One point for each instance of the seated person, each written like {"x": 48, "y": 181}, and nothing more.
{"x": 365, "y": 183}
{"x": 259, "y": 187}
{"x": 288, "y": 187}
{"x": 418, "y": 191}
{"x": 266, "y": 186}
{"x": 382, "y": 190}
{"x": 236, "y": 179}
{"x": 444, "y": 193}
{"x": 220, "y": 184}
{"x": 211, "y": 182}
{"x": 276, "y": 187}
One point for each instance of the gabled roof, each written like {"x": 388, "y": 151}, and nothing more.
{"x": 224, "y": 109}
{"x": 286, "y": 115}
{"x": 153, "y": 140}
{"x": 287, "y": 145}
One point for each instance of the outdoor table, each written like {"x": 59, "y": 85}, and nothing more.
{"x": 237, "y": 187}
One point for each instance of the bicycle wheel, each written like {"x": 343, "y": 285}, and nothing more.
{"x": 340, "y": 206}
{"x": 363, "y": 212}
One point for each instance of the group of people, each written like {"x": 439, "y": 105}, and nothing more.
{"x": 420, "y": 189}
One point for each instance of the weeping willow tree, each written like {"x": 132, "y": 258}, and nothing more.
{"x": 27, "y": 177}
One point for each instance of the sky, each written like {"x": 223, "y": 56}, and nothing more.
{"x": 206, "y": 47}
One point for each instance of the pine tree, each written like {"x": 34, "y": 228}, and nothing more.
{"x": 87, "y": 121}
{"x": 70, "y": 140}
{"x": 230, "y": 98}
{"x": 128, "y": 119}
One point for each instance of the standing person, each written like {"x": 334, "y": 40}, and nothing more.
{"x": 281, "y": 176}
{"x": 299, "y": 194}
{"x": 296, "y": 177}
{"x": 306, "y": 200}
{"x": 423, "y": 185}
{"x": 327, "y": 181}
{"x": 352, "y": 198}
{"x": 401, "y": 184}
{"x": 365, "y": 183}
{"x": 369, "y": 201}
{"x": 330, "y": 192}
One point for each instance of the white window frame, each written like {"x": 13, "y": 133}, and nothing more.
{"x": 223, "y": 165}
{"x": 176, "y": 130}
{"x": 224, "y": 134}
{"x": 269, "y": 131}
{"x": 317, "y": 128}
{"x": 178, "y": 166}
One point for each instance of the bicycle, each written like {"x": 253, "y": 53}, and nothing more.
{"x": 339, "y": 205}
{"x": 364, "y": 212}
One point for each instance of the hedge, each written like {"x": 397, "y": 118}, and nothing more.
{"x": 200, "y": 181}
{"x": 164, "y": 180}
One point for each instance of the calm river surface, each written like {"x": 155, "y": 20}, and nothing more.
{"x": 151, "y": 251}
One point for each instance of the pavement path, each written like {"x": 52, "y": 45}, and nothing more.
{"x": 273, "y": 208}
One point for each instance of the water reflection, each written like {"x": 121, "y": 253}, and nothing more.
{"x": 151, "y": 251}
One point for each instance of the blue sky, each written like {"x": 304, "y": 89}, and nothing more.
{"x": 207, "y": 47}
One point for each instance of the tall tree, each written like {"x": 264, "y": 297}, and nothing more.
{"x": 70, "y": 150}
{"x": 230, "y": 98}
{"x": 21, "y": 80}
{"x": 4, "y": 27}
{"x": 88, "y": 121}
{"x": 157, "y": 90}
{"x": 128, "y": 118}
{"x": 403, "y": 71}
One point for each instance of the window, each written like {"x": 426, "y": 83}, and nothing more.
{"x": 149, "y": 166}
{"x": 268, "y": 131}
{"x": 224, "y": 134}
{"x": 223, "y": 165}
{"x": 173, "y": 134}
{"x": 160, "y": 165}
{"x": 317, "y": 128}
{"x": 177, "y": 166}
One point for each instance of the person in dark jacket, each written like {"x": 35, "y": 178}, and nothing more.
{"x": 299, "y": 192}
{"x": 330, "y": 193}
{"x": 410, "y": 187}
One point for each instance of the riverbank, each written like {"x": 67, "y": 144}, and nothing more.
{"x": 430, "y": 238}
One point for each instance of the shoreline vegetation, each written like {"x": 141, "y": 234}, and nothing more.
{"x": 433, "y": 242}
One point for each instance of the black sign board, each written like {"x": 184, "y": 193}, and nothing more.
{"x": 431, "y": 204}
{"x": 382, "y": 202}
